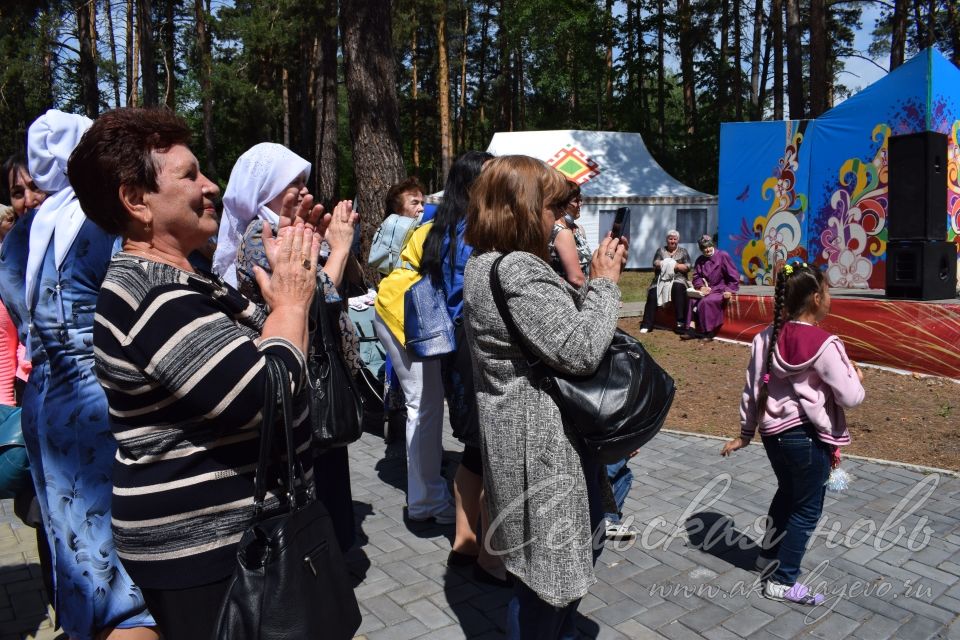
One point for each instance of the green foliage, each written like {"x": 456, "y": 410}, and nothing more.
{"x": 530, "y": 64}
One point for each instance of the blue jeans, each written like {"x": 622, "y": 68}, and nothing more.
{"x": 531, "y": 618}
{"x": 801, "y": 463}
{"x": 621, "y": 479}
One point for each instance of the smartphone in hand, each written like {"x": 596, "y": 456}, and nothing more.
{"x": 621, "y": 223}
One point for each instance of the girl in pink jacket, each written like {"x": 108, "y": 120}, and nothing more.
{"x": 798, "y": 382}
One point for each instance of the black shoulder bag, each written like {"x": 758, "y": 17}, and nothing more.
{"x": 291, "y": 580}
{"x": 615, "y": 410}
{"x": 336, "y": 406}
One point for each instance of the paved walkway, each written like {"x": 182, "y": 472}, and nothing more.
{"x": 887, "y": 554}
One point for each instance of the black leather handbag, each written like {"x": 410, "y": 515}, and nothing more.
{"x": 615, "y": 410}
{"x": 336, "y": 404}
{"x": 291, "y": 580}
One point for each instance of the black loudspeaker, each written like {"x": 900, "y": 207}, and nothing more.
{"x": 917, "y": 187}
{"x": 921, "y": 270}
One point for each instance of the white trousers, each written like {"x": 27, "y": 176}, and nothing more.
{"x": 427, "y": 492}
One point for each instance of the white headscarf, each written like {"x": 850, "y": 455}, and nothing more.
{"x": 259, "y": 176}
{"x": 50, "y": 140}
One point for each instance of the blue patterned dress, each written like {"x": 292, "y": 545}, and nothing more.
{"x": 67, "y": 432}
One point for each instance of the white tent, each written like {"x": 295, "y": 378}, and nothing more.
{"x": 616, "y": 170}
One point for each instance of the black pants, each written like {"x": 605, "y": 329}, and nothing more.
{"x": 187, "y": 614}
{"x": 678, "y": 294}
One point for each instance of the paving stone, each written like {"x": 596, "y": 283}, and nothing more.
{"x": 788, "y": 624}
{"x": 406, "y": 630}
{"x": 919, "y": 628}
{"x": 676, "y": 631}
{"x": 614, "y": 614}
{"x": 835, "y": 627}
{"x": 429, "y": 614}
{"x": 877, "y": 627}
{"x": 746, "y": 621}
{"x": 636, "y": 631}
{"x": 707, "y": 616}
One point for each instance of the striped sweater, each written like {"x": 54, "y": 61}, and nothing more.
{"x": 181, "y": 362}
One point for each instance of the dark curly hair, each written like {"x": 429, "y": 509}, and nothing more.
{"x": 118, "y": 150}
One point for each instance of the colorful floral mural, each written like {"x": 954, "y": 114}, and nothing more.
{"x": 853, "y": 239}
{"x": 776, "y": 235}
{"x": 953, "y": 184}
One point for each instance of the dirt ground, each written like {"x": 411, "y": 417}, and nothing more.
{"x": 905, "y": 418}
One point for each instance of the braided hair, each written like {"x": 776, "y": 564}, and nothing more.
{"x": 793, "y": 293}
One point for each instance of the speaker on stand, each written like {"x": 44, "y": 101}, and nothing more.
{"x": 921, "y": 265}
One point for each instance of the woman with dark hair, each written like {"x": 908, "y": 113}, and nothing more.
{"x": 535, "y": 475}
{"x": 19, "y": 189}
{"x": 182, "y": 357}
{"x": 445, "y": 255}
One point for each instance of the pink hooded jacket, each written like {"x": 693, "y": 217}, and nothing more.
{"x": 811, "y": 380}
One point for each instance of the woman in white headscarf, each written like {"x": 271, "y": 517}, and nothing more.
{"x": 261, "y": 179}
{"x": 258, "y": 182}
{"x": 65, "y": 415}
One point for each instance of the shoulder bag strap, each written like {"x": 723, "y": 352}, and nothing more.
{"x": 268, "y": 417}
{"x": 277, "y": 388}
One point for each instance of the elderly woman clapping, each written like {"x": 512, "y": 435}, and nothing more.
{"x": 182, "y": 359}
{"x": 264, "y": 178}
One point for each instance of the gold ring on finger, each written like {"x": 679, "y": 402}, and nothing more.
{"x": 609, "y": 255}
{"x": 307, "y": 264}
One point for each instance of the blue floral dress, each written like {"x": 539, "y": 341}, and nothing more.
{"x": 66, "y": 428}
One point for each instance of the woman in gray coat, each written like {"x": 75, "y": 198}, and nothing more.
{"x": 541, "y": 493}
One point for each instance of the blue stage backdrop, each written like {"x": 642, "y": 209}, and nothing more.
{"x": 816, "y": 190}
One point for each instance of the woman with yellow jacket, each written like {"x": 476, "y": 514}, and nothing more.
{"x": 428, "y": 498}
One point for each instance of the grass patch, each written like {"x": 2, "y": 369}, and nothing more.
{"x": 634, "y": 285}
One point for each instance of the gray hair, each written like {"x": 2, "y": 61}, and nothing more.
{"x": 673, "y": 232}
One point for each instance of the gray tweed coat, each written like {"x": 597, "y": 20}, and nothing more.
{"x": 533, "y": 474}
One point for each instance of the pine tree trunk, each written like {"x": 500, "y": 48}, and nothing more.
{"x": 608, "y": 66}
{"x": 755, "y": 107}
{"x": 723, "y": 71}
{"x": 130, "y": 63}
{"x": 688, "y": 79}
{"x": 327, "y": 159}
{"x": 443, "y": 90}
{"x": 205, "y": 73}
{"x": 86, "y": 14}
{"x": 762, "y": 93}
{"x": 794, "y": 60}
{"x": 819, "y": 81}
{"x": 898, "y": 33}
{"x": 415, "y": 105}
{"x": 737, "y": 56}
{"x": 285, "y": 97}
{"x": 374, "y": 113}
{"x": 661, "y": 77}
{"x": 481, "y": 129}
{"x": 115, "y": 72}
{"x": 169, "y": 66}
{"x": 148, "y": 62}
{"x": 519, "y": 92}
{"x": 462, "y": 99}
{"x": 504, "y": 75}
{"x": 953, "y": 20}
{"x": 776, "y": 24}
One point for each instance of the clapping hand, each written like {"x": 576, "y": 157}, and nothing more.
{"x": 293, "y": 210}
